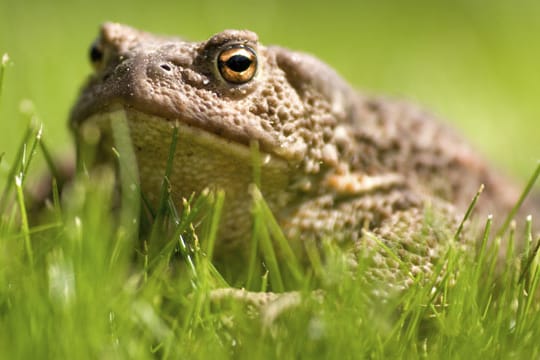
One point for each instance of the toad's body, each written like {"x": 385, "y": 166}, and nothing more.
{"x": 334, "y": 162}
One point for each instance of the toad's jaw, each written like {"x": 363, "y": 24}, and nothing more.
{"x": 227, "y": 123}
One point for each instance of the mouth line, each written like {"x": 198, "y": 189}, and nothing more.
{"x": 242, "y": 135}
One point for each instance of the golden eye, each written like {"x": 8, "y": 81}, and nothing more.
{"x": 237, "y": 64}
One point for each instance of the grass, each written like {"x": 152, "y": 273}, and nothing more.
{"x": 81, "y": 285}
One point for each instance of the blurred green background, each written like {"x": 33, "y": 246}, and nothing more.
{"x": 475, "y": 63}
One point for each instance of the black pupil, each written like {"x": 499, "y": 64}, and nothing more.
{"x": 238, "y": 63}
{"x": 95, "y": 54}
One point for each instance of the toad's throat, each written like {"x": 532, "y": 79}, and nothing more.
{"x": 200, "y": 159}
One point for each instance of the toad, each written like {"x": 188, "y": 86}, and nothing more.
{"x": 334, "y": 163}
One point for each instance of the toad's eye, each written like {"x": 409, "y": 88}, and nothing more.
{"x": 237, "y": 64}
{"x": 96, "y": 55}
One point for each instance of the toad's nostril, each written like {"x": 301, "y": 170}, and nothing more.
{"x": 165, "y": 67}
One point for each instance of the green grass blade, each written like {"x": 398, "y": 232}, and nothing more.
{"x": 468, "y": 212}
{"x": 483, "y": 247}
{"x": 267, "y": 248}
{"x": 3, "y": 63}
{"x": 282, "y": 244}
{"x": 256, "y": 163}
{"x": 24, "y": 220}
{"x": 57, "y": 206}
{"x": 254, "y": 251}
{"x": 529, "y": 253}
{"x": 17, "y": 165}
{"x": 129, "y": 184}
{"x": 165, "y": 186}
{"x": 520, "y": 201}
{"x": 211, "y": 234}
{"x": 50, "y": 162}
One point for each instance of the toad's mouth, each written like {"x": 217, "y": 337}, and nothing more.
{"x": 212, "y": 128}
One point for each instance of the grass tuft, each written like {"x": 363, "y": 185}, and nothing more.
{"x": 86, "y": 283}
